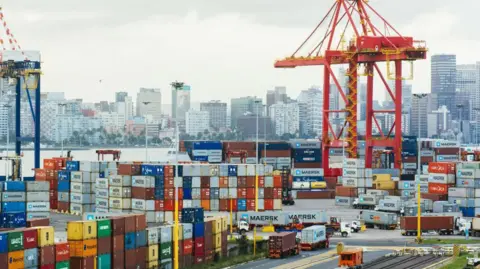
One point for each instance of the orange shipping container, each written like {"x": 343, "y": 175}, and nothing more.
{"x": 250, "y": 182}
{"x": 277, "y": 193}
{"x": 250, "y": 193}
{"x": 49, "y": 164}
{"x": 15, "y": 260}
{"x": 438, "y": 188}
{"x": 223, "y": 182}
{"x": 277, "y": 181}
{"x": 206, "y": 204}
{"x": 169, "y": 170}
{"x": 268, "y": 204}
{"x": 169, "y": 182}
{"x": 40, "y": 174}
{"x": 83, "y": 248}
{"x": 241, "y": 193}
{"x": 251, "y": 205}
{"x": 441, "y": 168}
{"x": 205, "y": 194}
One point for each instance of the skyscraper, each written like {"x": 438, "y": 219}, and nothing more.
{"x": 154, "y": 108}
{"x": 467, "y": 86}
{"x": 180, "y": 102}
{"x": 313, "y": 98}
{"x": 120, "y": 96}
{"x": 217, "y": 112}
{"x": 285, "y": 118}
{"x": 278, "y": 95}
{"x": 245, "y": 105}
{"x": 444, "y": 77}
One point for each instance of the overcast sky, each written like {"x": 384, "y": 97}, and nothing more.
{"x": 222, "y": 48}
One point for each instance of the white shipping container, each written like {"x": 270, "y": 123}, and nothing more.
{"x": 143, "y": 181}
{"x": 37, "y": 196}
{"x": 155, "y": 216}
{"x": 214, "y": 159}
{"x": 196, "y": 182}
{"x": 409, "y": 165}
{"x": 301, "y": 185}
{"x": 191, "y": 171}
{"x": 80, "y": 209}
{"x": 82, "y": 198}
{"x": 313, "y": 234}
{"x": 441, "y": 178}
{"x": 214, "y": 182}
{"x": 421, "y": 178}
{"x": 150, "y": 205}
{"x": 312, "y": 172}
{"x": 251, "y": 170}
{"x": 260, "y": 170}
{"x": 119, "y": 203}
{"x": 213, "y": 170}
{"x": 214, "y": 152}
{"x": 353, "y": 172}
{"x": 357, "y": 182}
{"x": 261, "y": 193}
{"x": 251, "y": 160}
{"x": 446, "y": 158}
{"x": 111, "y": 172}
{"x": 468, "y": 173}
{"x": 353, "y": 163}
{"x": 101, "y": 202}
{"x": 38, "y": 215}
{"x": 261, "y": 204}
{"x": 89, "y": 166}
{"x": 232, "y": 193}
{"x": 14, "y": 197}
{"x": 101, "y": 183}
{"x": 268, "y": 182}
{"x": 120, "y": 181}
{"x": 153, "y": 236}
{"x": 111, "y": 165}
{"x": 187, "y": 203}
{"x": 37, "y": 186}
{"x": 232, "y": 182}
{"x": 277, "y": 204}
{"x": 196, "y": 194}
{"x": 79, "y": 176}
{"x": 138, "y": 204}
{"x": 168, "y": 216}
{"x": 196, "y": 203}
{"x": 461, "y": 192}
{"x": 64, "y": 197}
{"x": 38, "y": 206}
{"x": 223, "y": 193}
{"x": 102, "y": 210}
{"x": 82, "y": 187}
{"x": 199, "y": 152}
{"x": 120, "y": 192}
{"x": 406, "y": 185}
{"x": 268, "y": 170}
{"x": 101, "y": 193}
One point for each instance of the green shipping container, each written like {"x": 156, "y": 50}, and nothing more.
{"x": 62, "y": 265}
{"x": 166, "y": 263}
{"x": 166, "y": 250}
{"x": 15, "y": 241}
{"x": 104, "y": 228}
{"x": 104, "y": 261}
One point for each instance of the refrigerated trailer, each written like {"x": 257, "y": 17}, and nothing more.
{"x": 444, "y": 225}
{"x": 383, "y": 220}
{"x": 314, "y": 237}
{"x": 366, "y": 201}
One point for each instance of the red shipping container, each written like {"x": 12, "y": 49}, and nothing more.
{"x": 268, "y": 204}
{"x": 63, "y": 206}
{"x": 199, "y": 246}
{"x": 241, "y": 182}
{"x": 141, "y": 257}
{"x": 53, "y": 203}
{"x": 118, "y": 225}
{"x": 169, "y": 170}
{"x": 331, "y": 182}
{"x": 447, "y": 151}
{"x": 250, "y": 193}
{"x": 104, "y": 245}
{"x": 169, "y": 194}
{"x": 49, "y": 164}
{"x": 410, "y": 159}
{"x": 62, "y": 252}
{"x": 241, "y": 193}
{"x": 276, "y": 153}
{"x": 261, "y": 181}
{"x": 82, "y": 263}
{"x": 434, "y": 197}
{"x": 53, "y": 184}
{"x": 118, "y": 260}
{"x": 30, "y": 238}
{"x": 187, "y": 261}
{"x": 277, "y": 193}
{"x": 131, "y": 258}
{"x": 159, "y": 206}
{"x": 250, "y": 182}
{"x": 327, "y": 194}
{"x": 204, "y": 182}
{"x": 187, "y": 247}
{"x": 250, "y": 204}
{"x": 169, "y": 205}
{"x": 38, "y": 222}
{"x": 40, "y": 174}
{"x": 50, "y": 174}
{"x": 441, "y": 168}
{"x": 46, "y": 255}
{"x": 143, "y": 193}
{"x": 223, "y": 205}
{"x": 52, "y": 266}
{"x": 199, "y": 259}
{"x": 311, "y": 165}
{"x": 128, "y": 169}
{"x": 205, "y": 194}
{"x": 223, "y": 182}
{"x": 130, "y": 223}
{"x": 140, "y": 222}
{"x": 346, "y": 191}
{"x": 169, "y": 182}
{"x": 438, "y": 188}
{"x": 3, "y": 258}
{"x": 426, "y": 159}
{"x": 118, "y": 242}
{"x": 232, "y": 203}
{"x": 277, "y": 181}
{"x": 268, "y": 193}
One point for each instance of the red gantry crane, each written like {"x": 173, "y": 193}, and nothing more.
{"x": 367, "y": 48}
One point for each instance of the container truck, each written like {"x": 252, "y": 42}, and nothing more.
{"x": 366, "y": 201}
{"x": 443, "y": 225}
{"x": 282, "y": 245}
{"x": 383, "y": 220}
{"x": 314, "y": 237}
{"x": 476, "y": 227}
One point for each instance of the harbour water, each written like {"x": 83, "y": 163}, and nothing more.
{"x": 127, "y": 154}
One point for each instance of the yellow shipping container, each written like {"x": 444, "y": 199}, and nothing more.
{"x": 225, "y": 224}
{"x": 218, "y": 250}
{"x": 152, "y": 254}
{"x": 83, "y": 248}
{"x": 216, "y": 225}
{"x": 381, "y": 178}
{"x": 180, "y": 232}
{"x": 318, "y": 185}
{"x": 46, "y": 236}
{"x": 152, "y": 265}
{"x": 81, "y": 230}
{"x": 15, "y": 260}
{"x": 217, "y": 240}
{"x": 385, "y": 185}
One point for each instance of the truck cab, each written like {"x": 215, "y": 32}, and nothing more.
{"x": 461, "y": 225}
{"x": 345, "y": 229}
{"x": 351, "y": 258}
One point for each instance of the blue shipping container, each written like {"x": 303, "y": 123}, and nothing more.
{"x": 159, "y": 182}
{"x": 152, "y": 170}
{"x": 3, "y": 242}
{"x": 13, "y": 219}
{"x": 200, "y": 158}
{"x": 28, "y": 178}
{"x": 13, "y": 186}
{"x": 64, "y": 175}
{"x": 180, "y": 170}
{"x": 187, "y": 193}
{"x": 198, "y": 229}
{"x": 141, "y": 239}
{"x": 13, "y": 206}
{"x": 207, "y": 145}
{"x": 64, "y": 186}
{"x": 30, "y": 258}
{"x": 242, "y": 204}
{"x": 72, "y": 166}
{"x": 468, "y": 211}
{"x": 232, "y": 170}
{"x": 159, "y": 194}
{"x": 187, "y": 182}
{"x": 193, "y": 215}
{"x": 130, "y": 240}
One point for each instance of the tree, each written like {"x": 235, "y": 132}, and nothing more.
{"x": 199, "y": 136}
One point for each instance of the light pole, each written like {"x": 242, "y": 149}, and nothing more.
{"x": 419, "y": 96}
{"x": 7, "y": 107}
{"x": 61, "y": 133}
{"x": 146, "y": 133}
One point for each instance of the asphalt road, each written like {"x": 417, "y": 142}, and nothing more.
{"x": 367, "y": 257}
{"x": 272, "y": 263}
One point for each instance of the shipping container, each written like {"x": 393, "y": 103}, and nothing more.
{"x": 83, "y": 248}
{"x": 45, "y": 236}
{"x": 344, "y": 201}
{"x": 81, "y": 230}
{"x": 281, "y": 244}
{"x": 439, "y": 224}
{"x": 382, "y": 219}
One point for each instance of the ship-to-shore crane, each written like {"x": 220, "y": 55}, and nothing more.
{"x": 368, "y": 47}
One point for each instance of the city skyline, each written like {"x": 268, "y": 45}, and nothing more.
{"x": 263, "y": 38}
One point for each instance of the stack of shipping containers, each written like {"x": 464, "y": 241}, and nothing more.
{"x": 64, "y": 182}
{"x": 62, "y": 255}
{"x": 82, "y": 187}
{"x": 467, "y": 190}
{"x": 205, "y": 151}
{"x": 118, "y": 242}
{"x": 82, "y": 237}
{"x": 46, "y": 247}
{"x": 104, "y": 244}
{"x": 356, "y": 176}
{"x": 153, "y": 239}
{"x": 278, "y": 154}
{"x": 306, "y": 154}
{"x": 166, "y": 246}
{"x": 120, "y": 193}
{"x": 102, "y": 195}
{"x": 13, "y": 204}
{"x": 49, "y": 173}
{"x": 441, "y": 177}
{"x": 38, "y": 203}
{"x": 446, "y": 151}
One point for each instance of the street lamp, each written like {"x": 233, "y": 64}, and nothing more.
{"x": 61, "y": 133}
{"x": 256, "y": 176}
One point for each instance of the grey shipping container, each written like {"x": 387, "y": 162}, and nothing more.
{"x": 468, "y": 183}
{"x": 380, "y": 218}
{"x": 38, "y": 206}
{"x": 38, "y": 215}
{"x": 377, "y": 192}
{"x": 166, "y": 234}
{"x": 390, "y": 205}
{"x": 462, "y": 201}
{"x": 368, "y": 199}
{"x": 37, "y": 196}
{"x": 264, "y": 218}
{"x": 64, "y": 197}
{"x": 38, "y": 186}
{"x": 438, "y": 206}
{"x": 344, "y": 201}
{"x": 413, "y": 209}
{"x": 461, "y": 192}
{"x": 406, "y": 185}
{"x": 309, "y": 216}
{"x": 82, "y": 187}
{"x": 80, "y": 198}
{"x": 313, "y": 234}
{"x": 30, "y": 258}
{"x": 14, "y": 197}
{"x": 426, "y": 203}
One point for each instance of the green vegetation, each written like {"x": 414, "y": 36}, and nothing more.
{"x": 457, "y": 263}
{"x": 230, "y": 261}
{"x": 438, "y": 241}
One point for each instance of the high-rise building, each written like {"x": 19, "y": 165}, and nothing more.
{"x": 468, "y": 86}
{"x": 285, "y": 118}
{"x": 245, "y": 105}
{"x": 180, "y": 102}
{"x": 149, "y": 102}
{"x": 217, "y": 111}
{"x": 421, "y": 107}
{"x": 444, "y": 77}
{"x": 120, "y": 96}
{"x": 196, "y": 121}
{"x": 279, "y": 94}
{"x": 313, "y": 98}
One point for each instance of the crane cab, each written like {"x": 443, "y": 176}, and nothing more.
{"x": 351, "y": 259}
